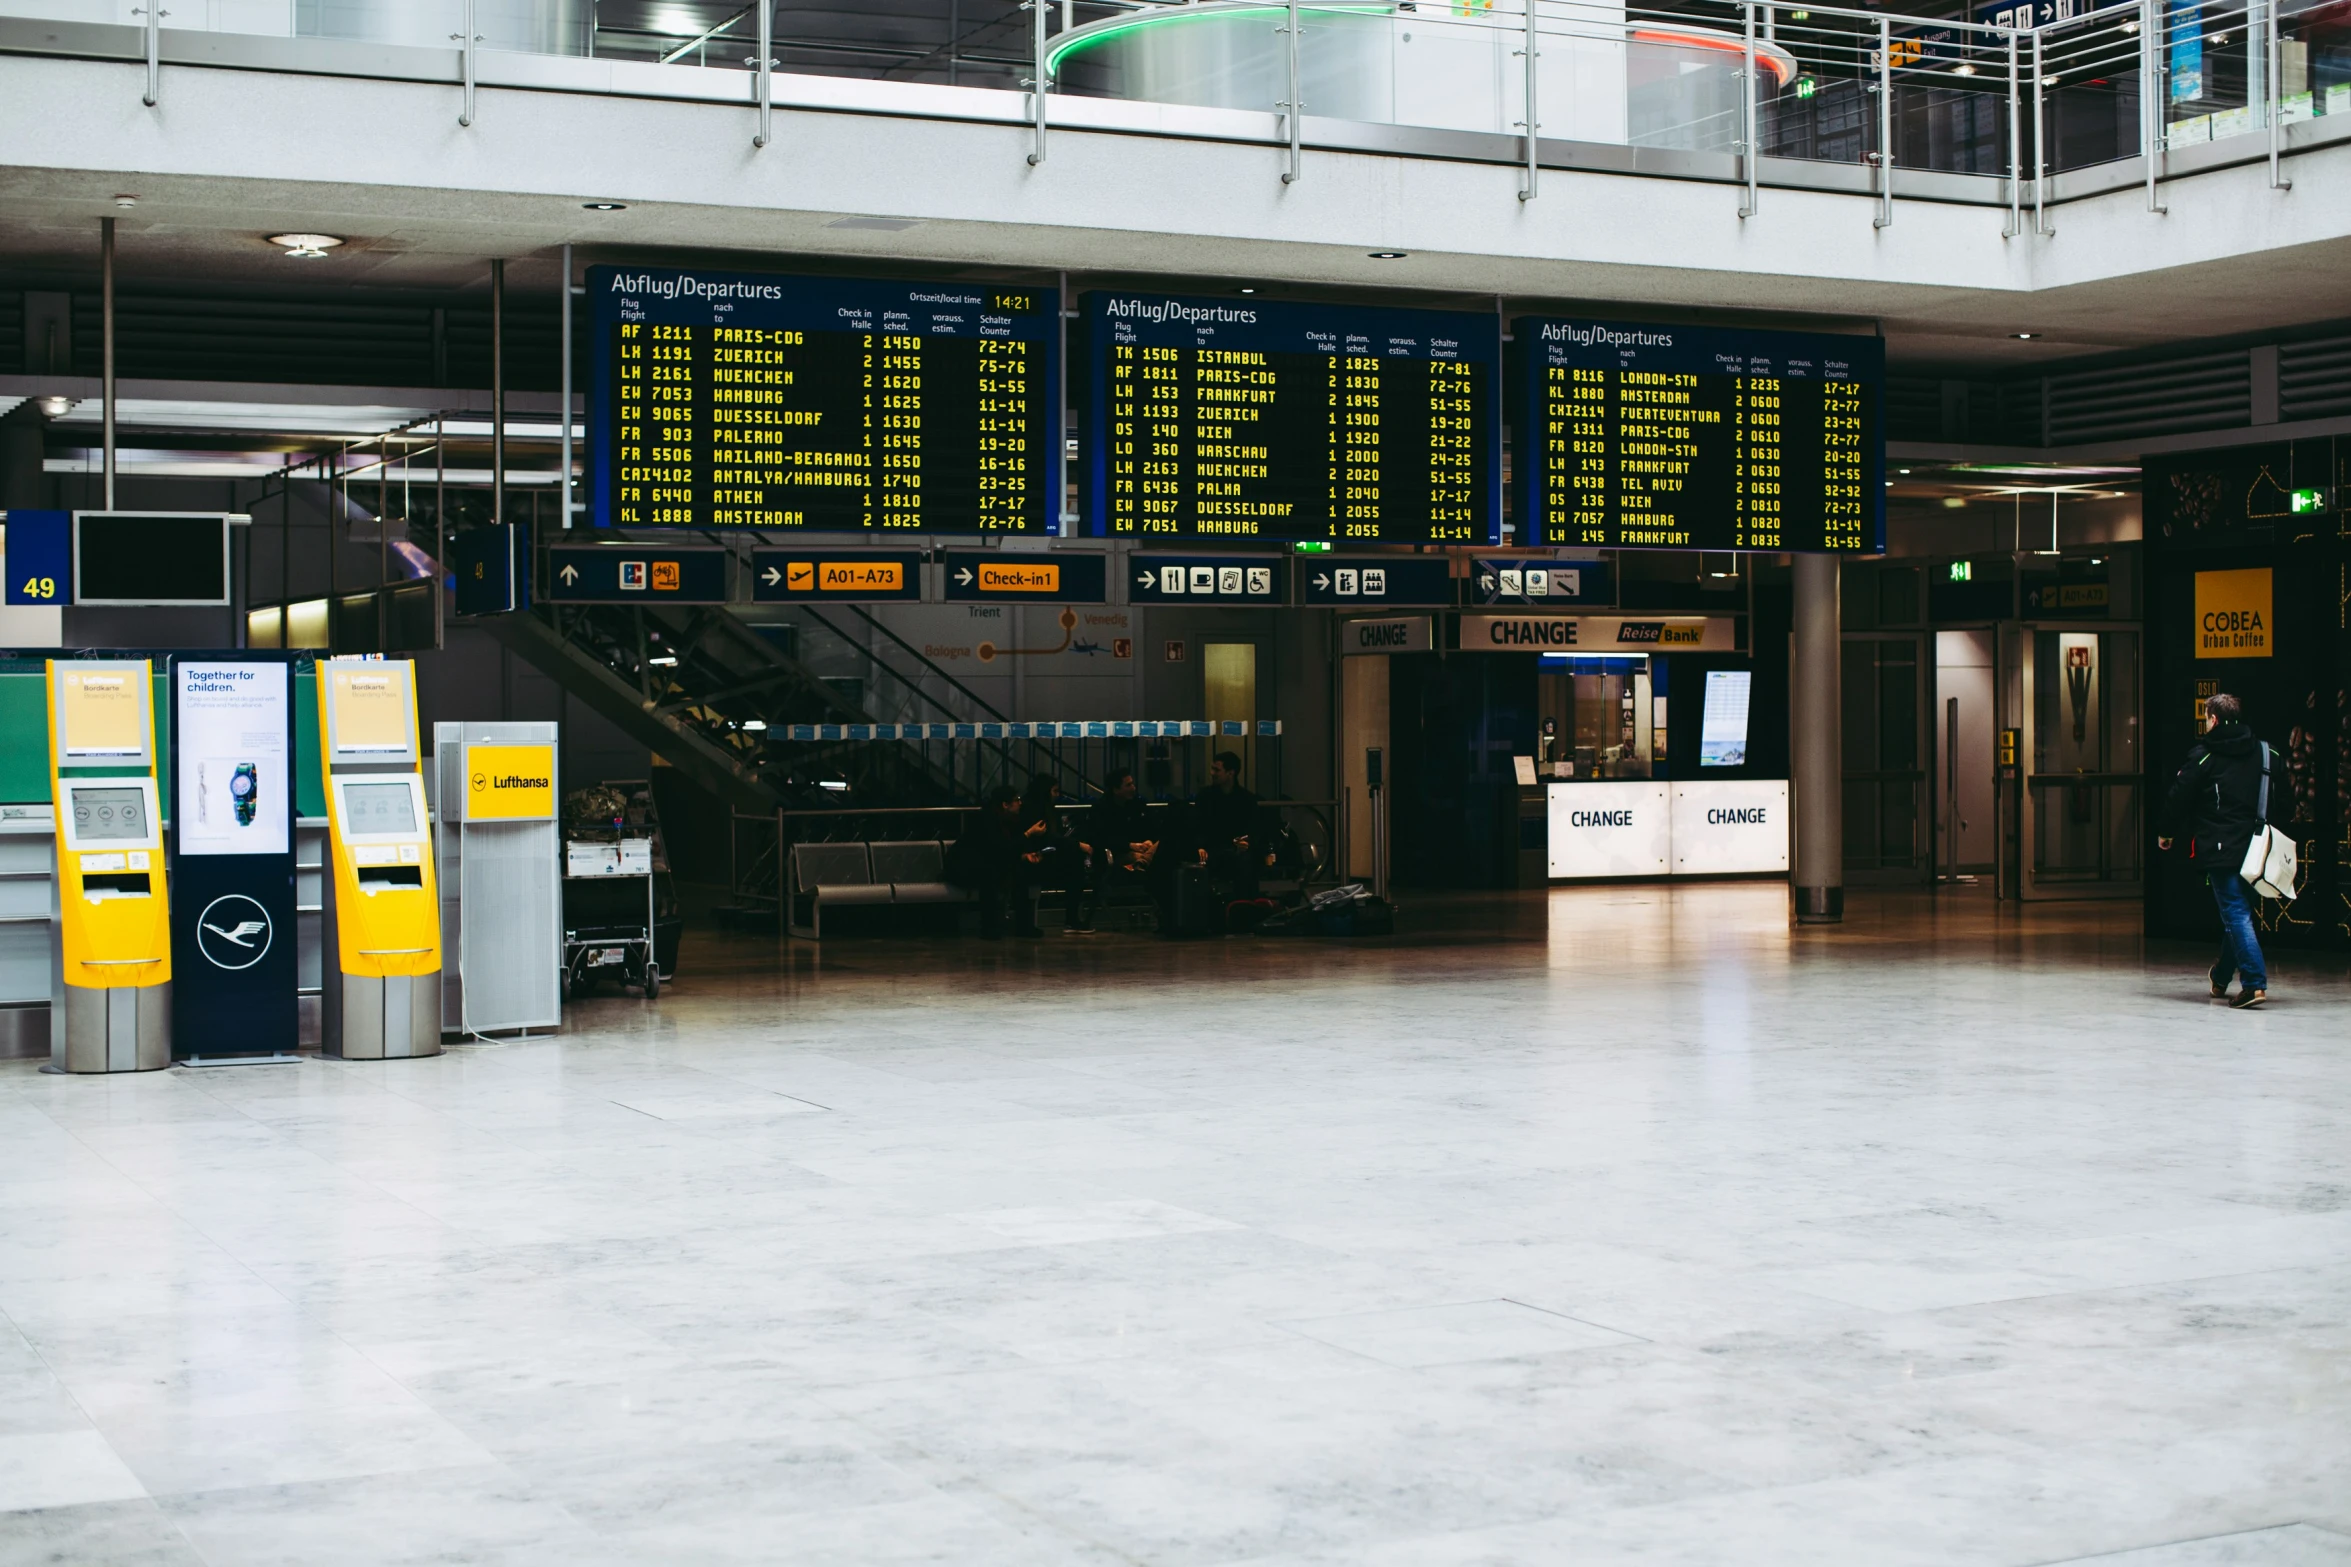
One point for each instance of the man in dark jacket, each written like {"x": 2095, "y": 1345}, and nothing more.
{"x": 1230, "y": 823}
{"x": 2215, "y": 804}
{"x": 993, "y": 859}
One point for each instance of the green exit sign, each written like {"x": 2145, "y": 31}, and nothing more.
{"x": 1962, "y": 571}
{"x": 1312, "y": 547}
{"x": 2309, "y": 500}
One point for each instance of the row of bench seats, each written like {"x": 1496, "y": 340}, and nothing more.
{"x": 910, "y": 873}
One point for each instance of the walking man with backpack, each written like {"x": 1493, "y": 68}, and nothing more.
{"x": 2219, "y": 802}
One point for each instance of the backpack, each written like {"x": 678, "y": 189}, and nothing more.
{"x": 2270, "y": 867}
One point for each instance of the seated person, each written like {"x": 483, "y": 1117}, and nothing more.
{"x": 1051, "y": 845}
{"x": 1126, "y": 843}
{"x": 993, "y": 860}
{"x": 1229, "y": 824}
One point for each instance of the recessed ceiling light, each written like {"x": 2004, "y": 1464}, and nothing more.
{"x": 2025, "y": 337}
{"x": 56, "y": 407}
{"x": 1387, "y": 255}
{"x": 1954, "y": 502}
{"x": 126, "y": 201}
{"x": 606, "y": 206}
{"x": 1246, "y": 289}
{"x": 1902, "y": 470}
{"x": 1963, "y": 69}
{"x": 305, "y": 247}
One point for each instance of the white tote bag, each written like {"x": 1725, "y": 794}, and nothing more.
{"x": 2271, "y": 866}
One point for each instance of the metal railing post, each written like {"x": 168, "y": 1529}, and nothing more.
{"x": 1747, "y": 148}
{"x": 2015, "y": 223}
{"x": 154, "y": 15}
{"x": 1533, "y": 124}
{"x": 2151, "y": 89}
{"x": 1036, "y": 10}
{"x": 1885, "y": 217}
{"x": 2040, "y": 136}
{"x": 1292, "y": 107}
{"x": 465, "y": 42}
{"x": 767, "y": 105}
{"x": 2277, "y": 98}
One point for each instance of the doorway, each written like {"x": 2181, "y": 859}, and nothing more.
{"x": 1966, "y": 828}
{"x": 1884, "y": 690}
{"x": 2082, "y": 808}
{"x": 1228, "y": 690}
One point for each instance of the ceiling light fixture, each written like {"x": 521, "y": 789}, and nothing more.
{"x": 1963, "y": 69}
{"x": 2024, "y": 337}
{"x": 126, "y": 201}
{"x": 606, "y": 206}
{"x": 305, "y": 247}
{"x": 1387, "y": 255}
{"x": 56, "y": 407}
{"x": 1246, "y": 289}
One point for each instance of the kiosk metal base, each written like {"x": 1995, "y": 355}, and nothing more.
{"x": 384, "y": 1019}
{"x": 124, "y": 1028}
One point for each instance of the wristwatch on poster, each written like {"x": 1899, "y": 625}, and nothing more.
{"x": 245, "y": 789}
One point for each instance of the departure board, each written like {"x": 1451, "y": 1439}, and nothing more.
{"x": 724, "y": 399}
{"x": 1230, "y": 419}
{"x": 1675, "y": 437}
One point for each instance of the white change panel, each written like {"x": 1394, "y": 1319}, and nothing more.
{"x": 1610, "y": 829}
{"x": 1730, "y": 827}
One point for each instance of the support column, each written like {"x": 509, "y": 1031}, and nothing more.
{"x": 1817, "y": 745}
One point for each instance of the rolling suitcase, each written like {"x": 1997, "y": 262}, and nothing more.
{"x": 1195, "y": 910}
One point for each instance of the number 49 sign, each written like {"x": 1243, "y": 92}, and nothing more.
{"x": 38, "y": 557}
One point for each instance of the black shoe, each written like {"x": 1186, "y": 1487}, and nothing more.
{"x": 2247, "y": 999}
{"x": 2220, "y": 990}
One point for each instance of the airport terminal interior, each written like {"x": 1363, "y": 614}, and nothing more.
{"x": 1175, "y": 783}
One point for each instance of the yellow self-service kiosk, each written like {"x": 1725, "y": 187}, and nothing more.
{"x": 111, "y": 1003}
{"x": 383, "y": 910}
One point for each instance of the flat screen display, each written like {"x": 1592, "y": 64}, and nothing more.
{"x": 1722, "y": 724}
{"x": 370, "y": 808}
{"x": 135, "y": 558}
{"x": 1678, "y": 437}
{"x": 728, "y": 399}
{"x": 1229, "y": 419}
{"x": 110, "y": 815}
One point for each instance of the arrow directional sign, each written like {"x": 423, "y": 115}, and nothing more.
{"x": 1494, "y": 580}
{"x": 1003, "y": 577}
{"x": 843, "y": 576}
{"x": 1212, "y": 579}
{"x": 637, "y": 574}
{"x": 1378, "y": 581}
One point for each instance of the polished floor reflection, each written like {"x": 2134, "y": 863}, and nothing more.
{"x": 1611, "y": 1225}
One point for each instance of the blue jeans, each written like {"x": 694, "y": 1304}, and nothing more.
{"x": 2240, "y": 952}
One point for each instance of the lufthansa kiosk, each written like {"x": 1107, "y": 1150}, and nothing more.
{"x": 383, "y": 915}
{"x": 111, "y": 1008}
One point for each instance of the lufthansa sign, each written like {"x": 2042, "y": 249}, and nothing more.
{"x": 1602, "y": 635}
{"x": 509, "y": 783}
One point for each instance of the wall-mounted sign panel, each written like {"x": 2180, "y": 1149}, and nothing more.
{"x": 1375, "y": 581}
{"x": 1208, "y": 579}
{"x": 1680, "y": 437}
{"x": 992, "y": 578}
{"x": 1610, "y": 829}
{"x": 2234, "y": 613}
{"x": 1540, "y": 584}
{"x": 40, "y": 558}
{"x": 842, "y": 576}
{"x": 1730, "y": 828}
{"x": 634, "y": 574}
{"x": 1610, "y": 635}
{"x": 1390, "y": 634}
{"x": 150, "y": 558}
{"x": 1217, "y": 418}
{"x": 491, "y": 569}
{"x": 509, "y": 783}
{"x": 727, "y": 399}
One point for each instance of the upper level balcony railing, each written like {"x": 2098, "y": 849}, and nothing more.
{"x": 1994, "y": 108}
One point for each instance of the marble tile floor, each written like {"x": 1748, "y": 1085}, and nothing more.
{"x": 1596, "y": 1226}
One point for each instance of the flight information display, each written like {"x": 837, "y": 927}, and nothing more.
{"x": 1676, "y": 437}
{"x": 724, "y": 399}
{"x": 1229, "y": 419}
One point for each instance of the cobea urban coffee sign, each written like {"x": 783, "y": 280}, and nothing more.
{"x": 2233, "y": 613}
{"x": 1598, "y": 634}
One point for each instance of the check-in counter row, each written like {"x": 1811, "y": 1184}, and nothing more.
{"x": 1601, "y": 831}
{"x": 28, "y": 875}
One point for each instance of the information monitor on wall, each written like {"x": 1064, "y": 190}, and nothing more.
{"x": 1677, "y": 437}
{"x": 1232, "y": 419}
{"x": 726, "y": 399}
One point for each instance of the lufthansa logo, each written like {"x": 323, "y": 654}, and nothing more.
{"x": 233, "y": 932}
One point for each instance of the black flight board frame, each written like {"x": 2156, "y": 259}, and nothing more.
{"x": 1675, "y": 437}
{"x": 1235, "y": 420}
{"x": 728, "y": 399}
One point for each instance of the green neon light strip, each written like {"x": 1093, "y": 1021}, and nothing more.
{"x": 1086, "y": 38}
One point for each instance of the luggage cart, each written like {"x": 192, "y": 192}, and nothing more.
{"x": 608, "y": 919}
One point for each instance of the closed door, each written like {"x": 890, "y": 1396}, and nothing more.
{"x": 1885, "y": 692}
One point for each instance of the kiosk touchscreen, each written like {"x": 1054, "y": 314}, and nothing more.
{"x": 383, "y": 909}
{"x": 111, "y": 1008}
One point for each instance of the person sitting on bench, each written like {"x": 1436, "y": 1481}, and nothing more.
{"x": 1051, "y": 845}
{"x": 1228, "y": 822}
{"x": 993, "y": 861}
{"x": 1125, "y": 842}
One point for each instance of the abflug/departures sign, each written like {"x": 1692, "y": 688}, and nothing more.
{"x": 845, "y": 405}
{"x": 1215, "y": 419}
{"x": 1679, "y": 437}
